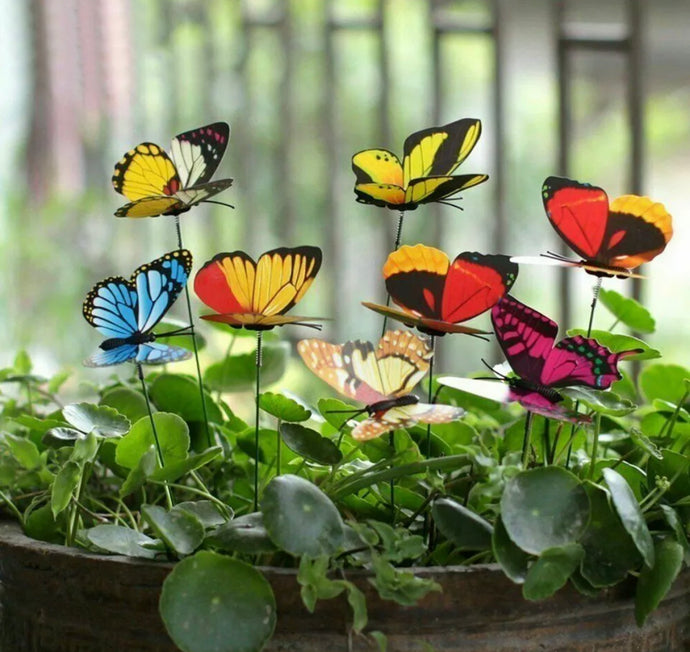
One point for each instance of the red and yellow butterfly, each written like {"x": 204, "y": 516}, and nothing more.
{"x": 158, "y": 184}
{"x": 612, "y": 239}
{"x": 435, "y": 294}
{"x": 429, "y": 158}
{"x": 382, "y": 378}
{"x": 255, "y": 295}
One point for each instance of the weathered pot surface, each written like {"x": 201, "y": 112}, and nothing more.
{"x": 57, "y": 599}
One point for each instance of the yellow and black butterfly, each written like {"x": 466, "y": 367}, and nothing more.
{"x": 382, "y": 378}
{"x": 255, "y": 295}
{"x": 429, "y": 158}
{"x": 158, "y": 184}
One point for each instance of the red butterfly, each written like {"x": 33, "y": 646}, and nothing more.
{"x": 435, "y": 294}
{"x": 612, "y": 239}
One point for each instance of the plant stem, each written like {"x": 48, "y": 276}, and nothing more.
{"x": 13, "y": 508}
{"x": 430, "y": 394}
{"x": 159, "y": 450}
{"x": 595, "y": 445}
{"x": 256, "y": 416}
{"x": 194, "y": 344}
{"x": 398, "y": 236}
{"x": 526, "y": 439}
{"x": 278, "y": 442}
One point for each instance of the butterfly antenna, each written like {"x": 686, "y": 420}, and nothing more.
{"x": 447, "y": 203}
{"x": 493, "y": 371}
{"x": 185, "y": 330}
{"x": 213, "y": 201}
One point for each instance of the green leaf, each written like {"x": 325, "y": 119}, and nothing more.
{"x": 184, "y": 341}
{"x": 22, "y": 363}
{"x": 42, "y": 525}
{"x": 665, "y": 381}
{"x": 237, "y": 373}
{"x": 282, "y": 407}
{"x": 245, "y": 534}
{"x": 23, "y": 450}
{"x": 104, "y": 421}
{"x": 628, "y": 311}
{"x": 645, "y": 444}
{"x": 173, "y": 435}
{"x": 58, "y": 437}
{"x": 180, "y": 530}
{"x": 674, "y": 467}
{"x": 85, "y": 449}
{"x": 128, "y": 402}
{"x": 551, "y": 571}
{"x": 336, "y": 412}
{"x": 309, "y": 444}
{"x": 176, "y": 468}
{"x": 212, "y": 603}
{"x": 618, "y": 342}
{"x": 628, "y": 509}
{"x": 400, "y": 585}
{"x": 205, "y": 510}
{"x": 543, "y": 508}
{"x": 120, "y": 540}
{"x": 463, "y": 527}
{"x": 604, "y": 402}
{"x": 142, "y": 471}
{"x": 56, "y": 382}
{"x": 180, "y": 395}
{"x": 655, "y": 582}
{"x": 300, "y": 518}
{"x": 609, "y": 550}
{"x": 513, "y": 560}
{"x": 64, "y": 486}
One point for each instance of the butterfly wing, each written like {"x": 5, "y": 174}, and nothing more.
{"x": 146, "y": 171}
{"x": 437, "y": 151}
{"x": 424, "y": 324}
{"x": 378, "y": 178}
{"x": 111, "y": 307}
{"x": 429, "y": 189}
{"x": 156, "y": 353}
{"x": 152, "y": 207}
{"x": 405, "y": 416}
{"x": 158, "y": 284}
{"x": 638, "y": 229}
{"x": 197, "y": 153}
{"x": 525, "y": 336}
{"x": 582, "y": 361}
{"x": 118, "y": 355}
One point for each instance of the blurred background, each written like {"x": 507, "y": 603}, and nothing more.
{"x": 599, "y": 91}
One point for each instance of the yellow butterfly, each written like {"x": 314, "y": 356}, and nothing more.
{"x": 255, "y": 295}
{"x": 425, "y": 175}
{"x": 382, "y": 378}
{"x": 158, "y": 184}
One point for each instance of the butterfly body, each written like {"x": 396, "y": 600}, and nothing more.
{"x": 160, "y": 184}
{"x": 126, "y": 311}
{"x": 425, "y": 174}
{"x": 256, "y": 295}
{"x": 611, "y": 238}
{"x": 381, "y": 377}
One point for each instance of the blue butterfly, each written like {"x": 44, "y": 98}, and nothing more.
{"x": 126, "y": 311}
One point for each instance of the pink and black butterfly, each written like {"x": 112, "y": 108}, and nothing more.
{"x": 542, "y": 365}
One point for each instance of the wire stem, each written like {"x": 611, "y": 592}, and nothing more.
{"x": 526, "y": 440}
{"x": 398, "y": 236}
{"x": 256, "y": 417}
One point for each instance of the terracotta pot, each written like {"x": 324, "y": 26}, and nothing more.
{"x": 56, "y": 599}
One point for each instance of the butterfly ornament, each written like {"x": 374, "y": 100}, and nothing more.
{"x": 156, "y": 183}
{"x": 612, "y": 238}
{"x": 256, "y": 295}
{"x": 382, "y": 377}
{"x": 435, "y": 295}
{"x": 126, "y": 311}
{"x": 542, "y": 365}
{"x": 425, "y": 175}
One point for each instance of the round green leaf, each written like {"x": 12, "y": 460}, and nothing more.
{"x": 513, "y": 560}
{"x": 604, "y": 402}
{"x": 245, "y": 534}
{"x": 180, "y": 395}
{"x": 100, "y": 419}
{"x": 336, "y": 412}
{"x": 237, "y": 373}
{"x": 551, "y": 571}
{"x": 127, "y": 402}
{"x": 309, "y": 444}
{"x": 120, "y": 540}
{"x": 628, "y": 311}
{"x": 300, "y": 518}
{"x": 654, "y": 583}
{"x": 631, "y": 516}
{"x": 282, "y": 407}
{"x": 618, "y": 342}
{"x": 211, "y": 603}
{"x": 665, "y": 381}
{"x": 544, "y": 508}
{"x": 609, "y": 551}
{"x": 181, "y": 530}
{"x": 173, "y": 435}
{"x": 60, "y": 436}
{"x": 205, "y": 510}
{"x": 461, "y": 526}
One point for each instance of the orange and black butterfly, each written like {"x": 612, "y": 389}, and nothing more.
{"x": 612, "y": 239}
{"x": 426, "y": 173}
{"x": 256, "y": 295}
{"x": 381, "y": 377}
{"x": 436, "y": 295}
{"x": 160, "y": 184}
